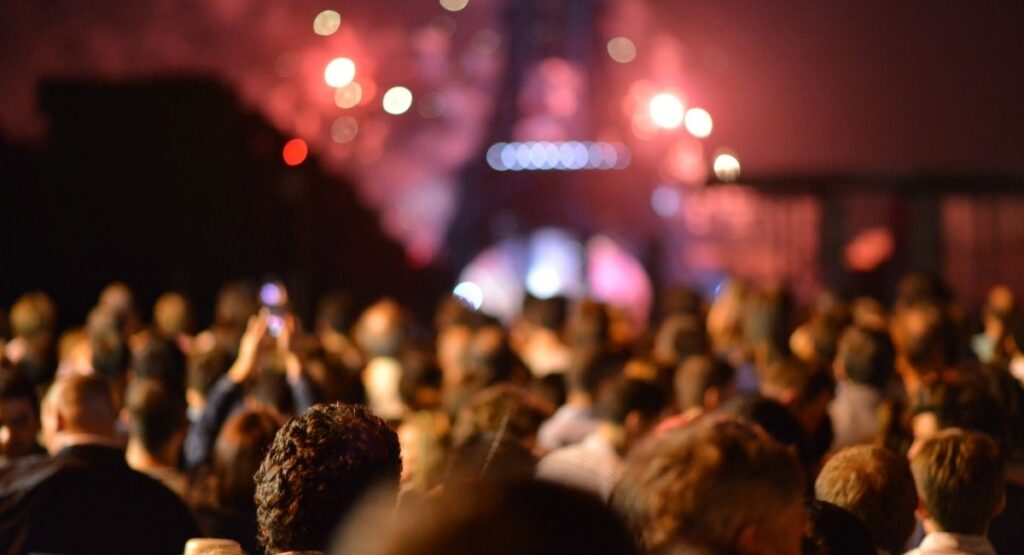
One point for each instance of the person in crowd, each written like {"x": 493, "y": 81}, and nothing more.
{"x": 875, "y": 485}
{"x": 806, "y": 392}
{"x": 525, "y": 516}
{"x": 832, "y": 530}
{"x": 267, "y": 373}
{"x": 382, "y": 333}
{"x": 863, "y": 369}
{"x": 19, "y": 416}
{"x": 701, "y": 384}
{"x": 999, "y": 312}
{"x": 960, "y": 480}
{"x": 627, "y": 412}
{"x": 537, "y": 336}
{"x": 590, "y": 372}
{"x": 319, "y": 466}
{"x": 222, "y": 493}
{"x": 172, "y": 319}
{"x": 157, "y": 425}
{"x": 86, "y": 499}
{"x": 691, "y": 490}
{"x": 33, "y": 317}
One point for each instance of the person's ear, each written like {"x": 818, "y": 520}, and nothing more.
{"x": 1002, "y": 504}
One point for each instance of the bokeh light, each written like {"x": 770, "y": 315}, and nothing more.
{"x": 726, "y": 167}
{"x": 340, "y": 72}
{"x": 326, "y": 22}
{"x": 665, "y": 201}
{"x": 348, "y": 96}
{"x": 344, "y": 129}
{"x": 666, "y": 110}
{"x": 295, "y": 152}
{"x": 454, "y": 5}
{"x": 622, "y": 50}
{"x": 567, "y": 155}
{"x": 397, "y": 100}
{"x": 698, "y": 122}
{"x": 469, "y": 293}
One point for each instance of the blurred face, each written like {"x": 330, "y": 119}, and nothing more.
{"x": 18, "y": 427}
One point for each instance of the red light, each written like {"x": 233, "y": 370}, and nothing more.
{"x": 295, "y": 152}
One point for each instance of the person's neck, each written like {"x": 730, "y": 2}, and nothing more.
{"x": 579, "y": 400}
{"x": 76, "y": 438}
{"x": 931, "y": 527}
{"x": 614, "y": 434}
{"x": 142, "y": 459}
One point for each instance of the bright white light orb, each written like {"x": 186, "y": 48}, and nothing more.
{"x": 666, "y": 110}
{"x": 326, "y": 22}
{"x": 622, "y": 50}
{"x": 340, "y": 72}
{"x": 727, "y": 167}
{"x": 469, "y": 293}
{"x": 698, "y": 122}
{"x": 454, "y": 5}
{"x": 543, "y": 282}
{"x": 397, "y": 100}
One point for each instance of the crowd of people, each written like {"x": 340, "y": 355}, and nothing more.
{"x": 742, "y": 424}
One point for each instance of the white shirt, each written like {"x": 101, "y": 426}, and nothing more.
{"x": 567, "y": 426}
{"x": 592, "y": 465}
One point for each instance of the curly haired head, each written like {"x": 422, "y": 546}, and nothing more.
{"x": 318, "y": 467}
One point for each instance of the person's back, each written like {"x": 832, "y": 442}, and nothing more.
{"x": 86, "y": 499}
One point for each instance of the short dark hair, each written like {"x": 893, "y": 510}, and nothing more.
{"x": 592, "y": 367}
{"x": 15, "y": 385}
{"x": 695, "y": 485}
{"x": 874, "y": 484}
{"x": 317, "y": 469}
{"x": 162, "y": 360}
{"x": 696, "y": 375}
{"x": 867, "y": 356}
{"x": 960, "y": 477}
{"x": 157, "y": 412}
{"x": 833, "y": 529}
{"x": 626, "y": 395}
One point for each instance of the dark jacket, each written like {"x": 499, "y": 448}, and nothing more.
{"x": 87, "y": 499}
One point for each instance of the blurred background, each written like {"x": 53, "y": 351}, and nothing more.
{"x": 614, "y": 148}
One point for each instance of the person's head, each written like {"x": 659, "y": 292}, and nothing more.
{"x": 592, "y": 369}
{"x": 318, "y": 467}
{"x": 381, "y": 329}
{"x": 695, "y": 486}
{"x": 703, "y": 382}
{"x": 507, "y": 409}
{"x": 172, "y": 315}
{"x": 633, "y": 405}
{"x": 241, "y": 445}
{"x": 33, "y": 316}
{"x": 804, "y": 390}
{"x": 157, "y": 417}
{"x": 960, "y": 482}
{"x": 424, "y": 438}
{"x": 77, "y": 405}
{"x": 967, "y": 403}
{"x": 833, "y": 530}
{"x": 111, "y": 357}
{"x": 589, "y": 325}
{"x": 678, "y": 337}
{"x": 236, "y": 303}
{"x": 865, "y": 357}
{"x": 161, "y": 360}
{"x": 874, "y": 484}
{"x": 921, "y": 335}
{"x": 334, "y": 313}
{"x": 511, "y": 517}
{"x": 420, "y": 384}
{"x": 19, "y": 415}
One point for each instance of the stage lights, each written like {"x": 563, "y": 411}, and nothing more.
{"x": 666, "y": 110}
{"x": 340, "y": 72}
{"x": 698, "y": 122}
{"x": 726, "y": 167}
{"x": 566, "y": 155}
{"x": 397, "y": 100}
